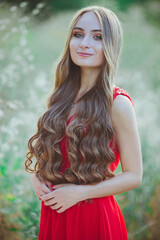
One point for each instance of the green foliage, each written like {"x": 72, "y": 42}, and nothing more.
{"x": 19, "y": 206}
{"x": 124, "y": 4}
{"x": 68, "y": 4}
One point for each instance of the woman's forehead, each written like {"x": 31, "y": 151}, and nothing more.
{"x": 88, "y": 19}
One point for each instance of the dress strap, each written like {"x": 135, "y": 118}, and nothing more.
{"x": 120, "y": 91}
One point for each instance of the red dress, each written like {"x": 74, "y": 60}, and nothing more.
{"x": 100, "y": 220}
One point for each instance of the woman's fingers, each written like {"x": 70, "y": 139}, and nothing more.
{"x": 55, "y": 206}
{"x": 42, "y": 190}
{"x": 45, "y": 189}
{"x": 50, "y": 202}
{"x": 39, "y": 194}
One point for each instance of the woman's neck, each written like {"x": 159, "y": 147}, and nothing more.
{"x": 88, "y": 79}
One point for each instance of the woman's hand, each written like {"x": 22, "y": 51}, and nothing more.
{"x": 64, "y": 196}
{"x": 40, "y": 188}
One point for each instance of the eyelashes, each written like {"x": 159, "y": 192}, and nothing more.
{"x": 78, "y": 35}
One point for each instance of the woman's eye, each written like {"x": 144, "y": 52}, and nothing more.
{"x": 98, "y": 37}
{"x": 77, "y": 34}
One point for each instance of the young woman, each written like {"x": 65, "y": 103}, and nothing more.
{"x": 88, "y": 128}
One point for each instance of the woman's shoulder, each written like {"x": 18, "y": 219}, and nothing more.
{"x": 122, "y": 107}
{"x": 119, "y": 96}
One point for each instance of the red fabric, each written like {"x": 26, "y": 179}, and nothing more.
{"x": 100, "y": 220}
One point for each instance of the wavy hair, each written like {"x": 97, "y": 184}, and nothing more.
{"x": 89, "y": 152}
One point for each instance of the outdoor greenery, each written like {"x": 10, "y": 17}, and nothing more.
{"x": 29, "y": 50}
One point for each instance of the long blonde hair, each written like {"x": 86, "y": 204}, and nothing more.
{"x": 89, "y": 154}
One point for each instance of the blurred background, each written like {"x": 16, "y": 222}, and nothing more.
{"x": 32, "y": 36}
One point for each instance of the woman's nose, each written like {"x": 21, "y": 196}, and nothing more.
{"x": 85, "y": 42}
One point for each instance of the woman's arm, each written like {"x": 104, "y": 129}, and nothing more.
{"x": 124, "y": 123}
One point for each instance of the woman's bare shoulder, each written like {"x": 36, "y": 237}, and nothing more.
{"x": 122, "y": 112}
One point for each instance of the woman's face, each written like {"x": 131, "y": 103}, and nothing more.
{"x": 86, "y": 46}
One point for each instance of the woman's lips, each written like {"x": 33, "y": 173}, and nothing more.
{"x": 84, "y": 54}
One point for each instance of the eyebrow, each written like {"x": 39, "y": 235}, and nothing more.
{"x": 93, "y": 30}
